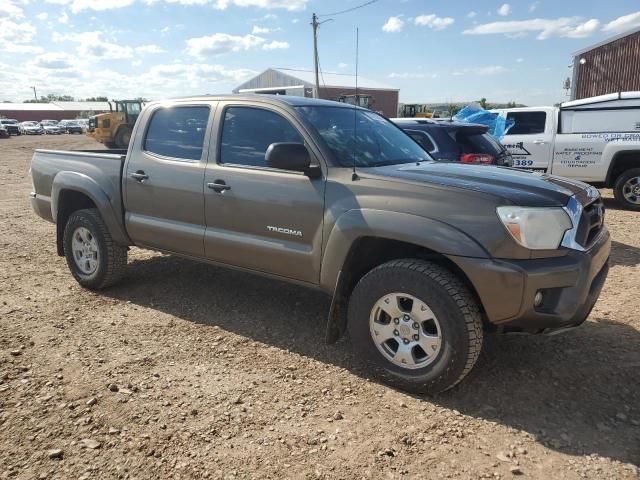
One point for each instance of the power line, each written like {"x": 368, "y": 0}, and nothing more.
{"x": 348, "y": 9}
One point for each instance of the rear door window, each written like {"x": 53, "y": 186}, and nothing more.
{"x": 479, "y": 143}
{"x": 177, "y": 132}
{"x": 423, "y": 139}
{"x": 527, "y": 123}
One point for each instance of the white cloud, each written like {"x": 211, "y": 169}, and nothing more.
{"x": 63, "y": 18}
{"x": 433, "y": 21}
{"x": 275, "y": 45}
{"x": 55, "y": 61}
{"x": 261, "y": 30}
{"x": 504, "y": 10}
{"x": 393, "y": 25}
{"x": 343, "y": 65}
{"x": 290, "y": 5}
{"x": 471, "y": 14}
{"x": 571, "y": 27}
{"x": 534, "y": 6}
{"x": 412, "y": 75}
{"x": 149, "y": 49}
{"x": 482, "y": 71}
{"x": 220, "y": 43}
{"x": 620, "y": 24}
{"x": 520, "y": 60}
{"x": 92, "y": 47}
{"x": 79, "y": 5}
{"x": 42, "y": 16}
{"x": 9, "y": 9}
{"x": 14, "y": 32}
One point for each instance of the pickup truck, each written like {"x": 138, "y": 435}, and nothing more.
{"x": 596, "y": 140}
{"x": 420, "y": 257}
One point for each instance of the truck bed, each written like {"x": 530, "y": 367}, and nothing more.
{"x": 50, "y": 169}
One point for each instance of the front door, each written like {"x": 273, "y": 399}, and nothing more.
{"x": 530, "y": 140}
{"x": 260, "y": 218}
{"x": 163, "y": 180}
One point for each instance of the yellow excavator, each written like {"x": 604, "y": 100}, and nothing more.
{"x": 415, "y": 110}
{"x": 114, "y": 128}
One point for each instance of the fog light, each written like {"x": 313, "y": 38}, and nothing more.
{"x": 537, "y": 300}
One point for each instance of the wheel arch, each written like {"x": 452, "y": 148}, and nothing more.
{"x": 622, "y": 161}
{"x": 72, "y": 191}
{"x": 352, "y": 251}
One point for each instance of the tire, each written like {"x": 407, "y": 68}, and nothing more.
{"x": 454, "y": 334}
{"x": 123, "y": 137}
{"x": 103, "y": 261}
{"x": 626, "y": 189}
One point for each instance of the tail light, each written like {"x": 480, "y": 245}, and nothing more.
{"x": 477, "y": 158}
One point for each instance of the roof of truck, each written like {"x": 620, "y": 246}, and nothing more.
{"x": 290, "y": 100}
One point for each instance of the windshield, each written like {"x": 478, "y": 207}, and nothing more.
{"x": 376, "y": 142}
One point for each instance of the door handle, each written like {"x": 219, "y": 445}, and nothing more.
{"x": 139, "y": 176}
{"x": 218, "y": 186}
{"x": 539, "y": 142}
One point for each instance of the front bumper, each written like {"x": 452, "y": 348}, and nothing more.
{"x": 570, "y": 286}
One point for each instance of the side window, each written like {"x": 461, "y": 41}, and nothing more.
{"x": 527, "y": 123}
{"x": 248, "y": 132}
{"x": 423, "y": 139}
{"x": 177, "y": 132}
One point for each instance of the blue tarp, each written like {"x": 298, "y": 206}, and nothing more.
{"x": 498, "y": 126}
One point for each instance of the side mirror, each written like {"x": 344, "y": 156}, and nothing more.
{"x": 289, "y": 156}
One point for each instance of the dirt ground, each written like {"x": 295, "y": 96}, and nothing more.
{"x": 190, "y": 371}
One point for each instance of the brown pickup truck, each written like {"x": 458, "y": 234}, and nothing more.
{"x": 420, "y": 258}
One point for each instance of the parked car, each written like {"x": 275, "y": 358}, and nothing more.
{"x": 51, "y": 127}
{"x": 3, "y": 132}
{"x": 12, "y": 126}
{"x": 596, "y": 140}
{"x": 70, "y": 126}
{"x": 31, "y": 128}
{"x": 84, "y": 123}
{"x": 448, "y": 141}
{"x": 419, "y": 257}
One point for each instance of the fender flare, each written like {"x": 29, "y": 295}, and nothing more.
{"x": 616, "y": 150}
{"x": 422, "y": 231}
{"x": 355, "y": 224}
{"x": 81, "y": 183}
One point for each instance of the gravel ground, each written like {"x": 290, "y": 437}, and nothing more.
{"x": 190, "y": 371}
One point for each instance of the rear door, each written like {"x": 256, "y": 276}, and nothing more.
{"x": 257, "y": 217}
{"x": 163, "y": 179}
{"x": 530, "y": 140}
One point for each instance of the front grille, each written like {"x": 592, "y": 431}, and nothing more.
{"x": 591, "y": 223}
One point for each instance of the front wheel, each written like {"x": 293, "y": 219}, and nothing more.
{"x": 417, "y": 324}
{"x": 95, "y": 260}
{"x": 627, "y": 189}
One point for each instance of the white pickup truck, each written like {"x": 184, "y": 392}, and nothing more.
{"x": 596, "y": 140}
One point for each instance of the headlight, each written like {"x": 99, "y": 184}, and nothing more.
{"x": 535, "y": 228}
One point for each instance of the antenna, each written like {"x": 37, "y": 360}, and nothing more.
{"x": 354, "y": 175}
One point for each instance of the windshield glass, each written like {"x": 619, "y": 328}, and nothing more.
{"x": 376, "y": 142}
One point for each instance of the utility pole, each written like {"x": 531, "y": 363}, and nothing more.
{"x": 314, "y": 24}
{"x": 35, "y": 95}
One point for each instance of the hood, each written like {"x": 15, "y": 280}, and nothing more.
{"x": 518, "y": 187}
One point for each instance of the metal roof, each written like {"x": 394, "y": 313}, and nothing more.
{"x": 56, "y": 107}
{"x": 306, "y": 78}
{"x": 607, "y": 40}
{"x": 83, "y": 106}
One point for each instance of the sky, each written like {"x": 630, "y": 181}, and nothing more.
{"x": 432, "y": 50}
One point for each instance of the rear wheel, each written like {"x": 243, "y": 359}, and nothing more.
{"x": 123, "y": 136}
{"x": 416, "y": 324}
{"x": 94, "y": 259}
{"x": 627, "y": 189}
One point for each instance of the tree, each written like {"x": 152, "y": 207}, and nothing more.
{"x": 483, "y": 103}
{"x": 96, "y": 99}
